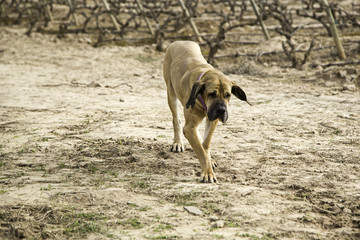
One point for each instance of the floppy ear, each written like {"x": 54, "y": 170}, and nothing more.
{"x": 239, "y": 93}
{"x": 195, "y": 91}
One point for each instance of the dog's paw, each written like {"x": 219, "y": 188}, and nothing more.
{"x": 177, "y": 147}
{"x": 213, "y": 164}
{"x": 208, "y": 177}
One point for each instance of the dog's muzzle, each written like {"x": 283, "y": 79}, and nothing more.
{"x": 218, "y": 110}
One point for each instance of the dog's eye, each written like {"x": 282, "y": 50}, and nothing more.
{"x": 227, "y": 95}
{"x": 213, "y": 94}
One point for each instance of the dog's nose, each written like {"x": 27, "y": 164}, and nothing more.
{"x": 222, "y": 113}
{"x": 221, "y": 110}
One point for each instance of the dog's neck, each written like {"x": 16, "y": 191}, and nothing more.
{"x": 200, "y": 97}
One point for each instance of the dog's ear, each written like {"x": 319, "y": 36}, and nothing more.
{"x": 239, "y": 93}
{"x": 197, "y": 89}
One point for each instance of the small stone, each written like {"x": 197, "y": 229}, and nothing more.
{"x": 194, "y": 210}
{"x": 342, "y": 73}
{"x": 346, "y": 210}
{"x": 218, "y": 224}
{"x": 329, "y": 84}
{"x": 213, "y": 218}
{"x": 247, "y": 192}
{"x": 93, "y": 84}
{"x": 87, "y": 40}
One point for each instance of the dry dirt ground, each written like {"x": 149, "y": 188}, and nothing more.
{"x": 85, "y": 135}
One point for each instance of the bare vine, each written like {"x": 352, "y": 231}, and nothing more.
{"x": 170, "y": 22}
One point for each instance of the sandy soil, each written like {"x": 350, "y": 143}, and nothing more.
{"x": 85, "y": 135}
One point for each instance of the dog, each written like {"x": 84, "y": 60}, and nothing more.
{"x": 203, "y": 92}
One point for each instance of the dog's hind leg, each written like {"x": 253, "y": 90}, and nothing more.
{"x": 172, "y": 101}
{"x": 177, "y": 145}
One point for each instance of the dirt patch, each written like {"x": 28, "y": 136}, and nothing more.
{"x": 86, "y": 133}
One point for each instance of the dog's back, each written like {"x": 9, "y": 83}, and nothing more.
{"x": 185, "y": 49}
{"x": 181, "y": 56}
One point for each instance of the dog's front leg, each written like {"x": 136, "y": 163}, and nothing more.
{"x": 190, "y": 132}
{"x": 209, "y": 130}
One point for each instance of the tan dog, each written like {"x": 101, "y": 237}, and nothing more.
{"x": 204, "y": 92}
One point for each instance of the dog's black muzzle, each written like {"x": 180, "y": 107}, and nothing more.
{"x": 218, "y": 110}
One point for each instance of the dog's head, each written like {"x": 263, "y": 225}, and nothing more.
{"x": 216, "y": 89}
